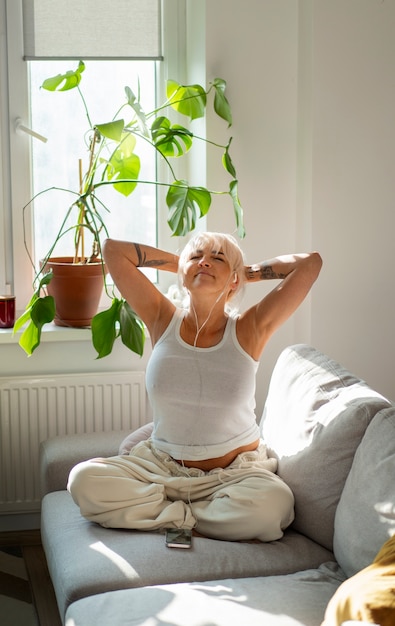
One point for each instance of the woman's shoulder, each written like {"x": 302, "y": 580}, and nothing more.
{"x": 167, "y": 322}
{"x": 245, "y": 330}
{"x": 164, "y": 322}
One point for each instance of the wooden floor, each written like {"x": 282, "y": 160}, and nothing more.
{"x": 39, "y": 579}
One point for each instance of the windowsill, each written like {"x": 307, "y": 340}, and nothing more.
{"x": 49, "y": 333}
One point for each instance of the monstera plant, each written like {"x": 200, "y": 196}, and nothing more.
{"x": 114, "y": 161}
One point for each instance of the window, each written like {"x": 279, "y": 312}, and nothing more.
{"x": 25, "y": 162}
{"x": 61, "y": 118}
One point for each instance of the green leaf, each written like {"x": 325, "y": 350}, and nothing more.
{"x": 238, "y": 209}
{"x": 221, "y": 104}
{"x": 136, "y": 106}
{"x": 182, "y": 201}
{"x": 30, "y": 338}
{"x": 104, "y": 331}
{"x": 227, "y": 161}
{"x": 45, "y": 280}
{"x": 123, "y": 165}
{"x": 41, "y": 312}
{"x": 190, "y": 100}
{"x": 112, "y": 130}
{"x": 170, "y": 140}
{"x": 122, "y": 169}
{"x": 26, "y": 315}
{"x": 132, "y": 329}
{"x": 21, "y": 321}
{"x": 64, "y": 82}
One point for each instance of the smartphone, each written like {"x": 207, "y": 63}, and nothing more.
{"x": 178, "y": 538}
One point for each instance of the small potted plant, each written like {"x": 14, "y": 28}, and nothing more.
{"x": 113, "y": 161}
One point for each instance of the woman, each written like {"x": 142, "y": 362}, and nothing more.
{"x": 204, "y": 466}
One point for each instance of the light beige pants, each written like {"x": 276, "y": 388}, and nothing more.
{"x": 148, "y": 490}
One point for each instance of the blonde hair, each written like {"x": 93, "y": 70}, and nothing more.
{"x": 217, "y": 241}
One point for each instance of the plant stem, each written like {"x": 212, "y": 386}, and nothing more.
{"x": 80, "y": 239}
{"x": 85, "y": 106}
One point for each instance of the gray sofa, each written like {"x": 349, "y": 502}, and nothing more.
{"x": 334, "y": 438}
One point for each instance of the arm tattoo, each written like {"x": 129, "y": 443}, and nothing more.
{"x": 263, "y": 271}
{"x": 267, "y": 273}
{"x": 142, "y": 260}
{"x": 139, "y": 255}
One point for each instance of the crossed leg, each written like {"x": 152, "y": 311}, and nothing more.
{"x": 145, "y": 491}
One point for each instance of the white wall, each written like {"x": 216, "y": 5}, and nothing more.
{"x": 354, "y": 185}
{"x": 312, "y": 88}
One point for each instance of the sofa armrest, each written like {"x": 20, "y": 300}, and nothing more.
{"x": 59, "y": 455}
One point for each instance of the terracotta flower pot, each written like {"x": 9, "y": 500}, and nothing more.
{"x": 77, "y": 289}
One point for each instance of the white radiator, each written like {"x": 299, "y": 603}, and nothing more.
{"x": 34, "y": 409}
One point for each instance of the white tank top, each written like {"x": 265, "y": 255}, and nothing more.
{"x": 203, "y": 399}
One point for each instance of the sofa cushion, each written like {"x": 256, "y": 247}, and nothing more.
{"x": 84, "y": 558}
{"x": 365, "y": 517}
{"x": 294, "y": 600}
{"x": 59, "y": 454}
{"x": 314, "y": 418}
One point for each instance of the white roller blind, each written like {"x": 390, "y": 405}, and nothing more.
{"x": 92, "y": 29}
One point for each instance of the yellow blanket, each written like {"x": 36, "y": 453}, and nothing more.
{"x": 369, "y": 595}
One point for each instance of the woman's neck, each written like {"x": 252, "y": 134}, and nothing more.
{"x": 205, "y": 323}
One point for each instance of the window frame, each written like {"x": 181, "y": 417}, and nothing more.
{"x": 16, "y": 273}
